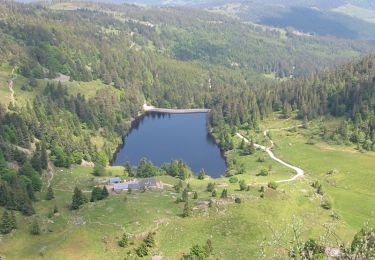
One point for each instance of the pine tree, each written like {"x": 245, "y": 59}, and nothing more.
{"x": 195, "y": 196}
{"x": 149, "y": 240}
{"x": 3, "y": 164}
{"x": 6, "y": 225}
{"x": 105, "y": 192}
{"x": 187, "y": 210}
{"x": 50, "y": 195}
{"x": 34, "y": 228}
{"x": 35, "y": 160}
{"x": 13, "y": 220}
{"x": 77, "y": 199}
{"x": 124, "y": 240}
{"x": 202, "y": 175}
{"x": 142, "y": 250}
{"x": 185, "y": 195}
{"x": 44, "y": 157}
{"x": 224, "y": 194}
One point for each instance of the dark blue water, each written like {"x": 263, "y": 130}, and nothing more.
{"x": 162, "y": 138}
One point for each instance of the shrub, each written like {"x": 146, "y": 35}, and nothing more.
{"x": 326, "y": 204}
{"x": 237, "y": 200}
{"x": 210, "y": 187}
{"x": 233, "y": 179}
{"x": 243, "y": 185}
{"x": 273, "y": 185}
{"x": 124, "y": 240}
{"x": 34, "y": 228}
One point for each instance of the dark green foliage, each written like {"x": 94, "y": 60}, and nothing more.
{"x": 50, "y": 195}
{"x": 243, "y": 185}
{"x": 195, "y": 195}
{"x": 129, "y": 170}
{"x": 178, "y": 169}
{"x": 6, "y": 225}
{"x": 60, "y": 158}
{"x": 248, "y": 149}
{"x": 99, "y": 170}
{"x": 214, "y": 194}
{"x": 34, "y": 228}
{"x": 202, "y": 175}
{"x": 326, "y": 204}
{"x": 55, "y": 209}
{"x": 198, "y": 252}
{"x": 187, "y": 210}
{"x": 224, "y": 194}
{"x": 149, "y": 240}
{"x": 124, "y": 240}
{"x": 363, "y": 245}
{"x": 237, "y": 200}
{"x": 78, "y": 199}
{"x": 147, "y": 169}
{"x": 263, "y": 172}
{"x": 13, "y": 220}
{"x": 273, "y": 185}
{"x": 28, "y": 171}
{"x": 99, "y": 194}
{"x": 311, "y": 250}
{"x": 142, "y": 250}
{"x": 233, "y": 179}
{"x": 185, "y": 195}
{"x": 210, "y": 187}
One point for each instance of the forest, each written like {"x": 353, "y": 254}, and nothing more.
{"x": 174, "y": 58}
{"x": 167, "y": 57}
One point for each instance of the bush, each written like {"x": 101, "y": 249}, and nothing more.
{"x": 326, "y": 204}
{"x": 273, "y": 185}
{"x": 233, "y": 179}
{"x": 124, "y": 240}
{"x": 210, "y": 187}
{"x": 142, "y": 250}
{"x": 34, "y": 228}
{"x": 237, "y": 200}
{"x": 243, "y": 185}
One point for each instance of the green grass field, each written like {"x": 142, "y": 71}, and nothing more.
{"x": 256, "y": 228}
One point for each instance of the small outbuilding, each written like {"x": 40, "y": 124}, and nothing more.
{"x": 114, "y": 180}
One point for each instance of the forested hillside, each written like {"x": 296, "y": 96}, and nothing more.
{"x": 75, "y": 75}
{"x": 171, "y": 58}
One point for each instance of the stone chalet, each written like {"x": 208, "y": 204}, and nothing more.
{"x": 117, "y": 186}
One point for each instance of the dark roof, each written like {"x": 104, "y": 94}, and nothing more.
{"x": 114, "y": 180}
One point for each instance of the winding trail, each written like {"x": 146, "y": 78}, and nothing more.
{"x": 299, "y": 171}
{"x": 10, "y": 85}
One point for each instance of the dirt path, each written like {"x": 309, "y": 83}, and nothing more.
{"x": 10, "y": 85}
{"x": 51, "y": 172}
{"x": 299, "y": 171}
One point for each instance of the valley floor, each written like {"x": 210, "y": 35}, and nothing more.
{"x": 255, "y": 229}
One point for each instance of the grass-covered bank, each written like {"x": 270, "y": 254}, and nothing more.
{"x": 258, "y": 226}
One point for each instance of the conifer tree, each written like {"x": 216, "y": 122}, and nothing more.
{"x": 77, "y": 199}
{"x": 149, "y": 240}
{"x": 50, "y": 195}
{"x": 224, "y": 194}
{"x": 6, "y": 225}
{"x": 34, "y": 228}
{"x": 13, "y": 220}
{"x": 124, "y": 240}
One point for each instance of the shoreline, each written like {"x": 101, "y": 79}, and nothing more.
{"x": 147, "y": 108}
{"x": 153, "y": 109}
